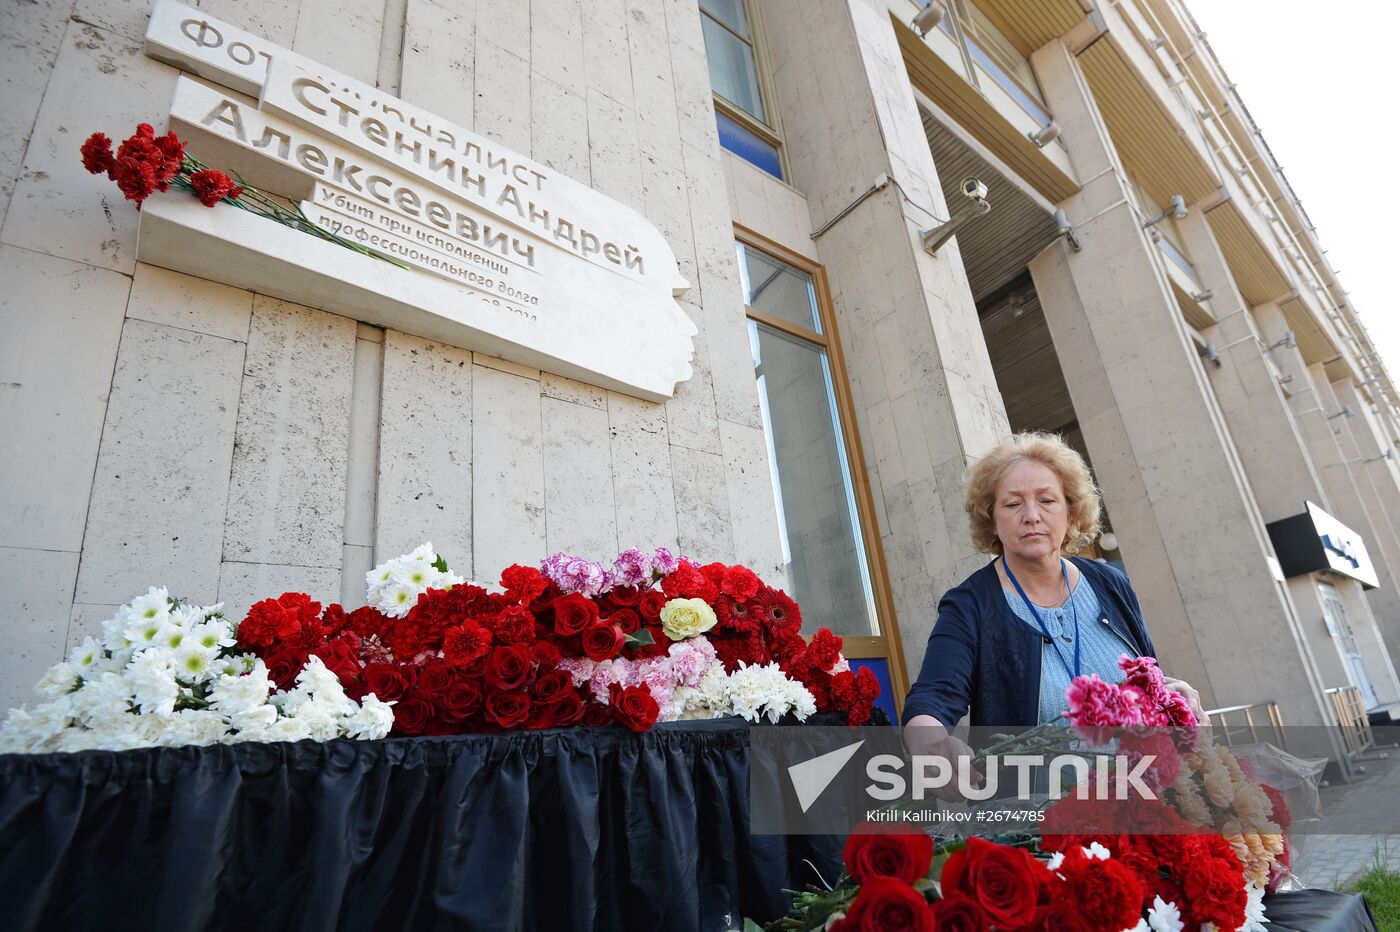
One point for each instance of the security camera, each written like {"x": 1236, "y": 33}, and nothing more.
{"x": 972, "y": 188}
{"x": 1178, "y": 208}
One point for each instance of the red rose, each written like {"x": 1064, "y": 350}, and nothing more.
{"x": 1007, "y": 882}
{"x": 887, "y": 905}
{"x": 627, "y": 620}
{"x": 462, "y": 698}
{"x": 651, "y": 604}
{"x": 433, "y": 679}
{"x": 625, "y": 596}
{"x": 411, "y": 715}
{"x": 211, "y": 186}
{"x": 595, "y": 715}
{"x": 602, "y": 641}
{"x": 573, "y": 613}
{"x": 509, "y": 668}
{"x": 341, "y": 657}
{"x": 97, "y": 154}
{"x": 545, "y": 654}
{"x": 283, "y": 665}
{"x": 508, "y": 709}
{"x": 465, "y": 644}
{"x": 550, "y": 687}
{"x": 385, "y": 681}
{"x": 633, "y": 706}
{"x": 568, "y": 710}
{"x": 959, "y": 913}
{"x": 739, "y": 583}
{"x": 884, "y": 854}
{"x": 523, "y": 583}
{"x": 333, "y": 619}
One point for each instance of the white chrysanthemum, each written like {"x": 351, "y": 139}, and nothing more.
{"x": 102, "y": 698}
{"x": 238, "y": 695}
{"x": 374, "y": 719}
{"x": 212, "y": 634}
{"x": 1254, "y": 918}
{"x": 415, "y": 574}
{"x": 1056, "y": 860}
{"x": 114, "y": 630}
{"x": 1096, "y": 850}
{"x": 1140, "y": 927}
{"x": 251, "y": 722}
{"x": 423, "y": 553}
{"x": 85, "y": 655}
{"x": 193, "y": 726}
{"x": 804, "y": 704}
{"x": 59, "y": 680}
{"x": 152, "y": 682}
{"x": 153, "y": 606}
{"x": 286, "y": 729}
{"x": 396, "y": 599}
{"x": 195, "y": 663}
{"x": 1163, "y": 916}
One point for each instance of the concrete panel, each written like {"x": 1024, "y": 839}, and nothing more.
{"x": 159, "y": 495}
{"x": 356, "y": 563}
{"x": 556, "y": 43}
{"x": 505, "y": 25}
{"x": 85, "y": 620}
{"x": 32, "y": 35}
{"x": 242, "y": 584}
{"x": 100, "y": 82}
{"x": 287, "y": 488}
{"x": 604, "y": 47}
{"x": 362, "y": 459}
{"x": 195, "y": 304}
{"x": 641, "y": 474}
{"x": 425, "y": 450}
{"x": 749, "y": 480}
{"x": 613, "y": 156}
{"x": 690, "y": 414}
{"x": 439, "y": 61}
{"x": 653, "y": 92}
{"x": 580, "y": 393}
{"x": 667, "y": 206}
{"x": 561, "y": 140}
{"x": 702, "y": 505}
{"x": 580, "y": 515}
{"x": 508, "y": 472}
{"x": 502, "y": 93}
{"x": 62, "y": 323}
{"x": 690, "y": 77}
{"x": 343, "y": 34}
{"x": 36, "y": 592}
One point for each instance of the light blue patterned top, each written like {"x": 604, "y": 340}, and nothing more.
{"x": 1099, "y": 647}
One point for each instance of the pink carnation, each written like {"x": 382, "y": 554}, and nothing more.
{"x": 1096, "y": 704}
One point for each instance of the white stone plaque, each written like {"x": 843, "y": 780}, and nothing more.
{"x": 498, "y": 253}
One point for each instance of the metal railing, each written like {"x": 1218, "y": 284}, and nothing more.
{"x": 1357, "y": 736}
{"x": 1244, "y": 724}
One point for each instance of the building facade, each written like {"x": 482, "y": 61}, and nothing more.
{"x": 1145, "y": 283}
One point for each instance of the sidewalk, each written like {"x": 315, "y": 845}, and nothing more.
{"x": 1332, "y": 860}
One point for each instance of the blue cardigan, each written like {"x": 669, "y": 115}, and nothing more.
{"x": 980, "y": 654}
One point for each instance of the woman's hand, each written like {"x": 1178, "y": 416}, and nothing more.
{"x": 1189, "y": 693}
{"x": 925, "y": 736}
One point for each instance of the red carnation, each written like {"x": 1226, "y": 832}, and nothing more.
{"x": 291, "y": 616}
{"x": 1213, "y": 883}
{"x": 688, "y": 582}
{"x": 825, "y": 650}
{"x": 524, "y": 584}
{"x": 633, "y": 706}
{"x": 886, "y": 904}
{"x": 740, "y": 583}
{"x": 512, "y": 625}
{"x": 1104, "y": 896}
{"x": 573, "y": 613}
{"x": 97, "y": 154}
{"x": 877, "y": 853}
{"x": 509, "y": 668}
{"x": 211, "y": 186}
{"x": 465, "y": 644}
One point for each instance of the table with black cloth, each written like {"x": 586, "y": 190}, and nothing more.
{"x": 567, "y": 829}
{"x": 552, "y": 830}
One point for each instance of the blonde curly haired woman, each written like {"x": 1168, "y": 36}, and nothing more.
{"x": 1012, "y": 636}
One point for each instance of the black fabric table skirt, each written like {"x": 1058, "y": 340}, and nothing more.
{"x": 1318, "y": 911}
{"x": 577, "y": 829}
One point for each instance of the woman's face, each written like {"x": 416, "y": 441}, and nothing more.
{"x": 1031, "y": 514}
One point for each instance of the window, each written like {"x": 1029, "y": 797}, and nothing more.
{"x": 835, "y": 568}
{"x": 746, "y": 127}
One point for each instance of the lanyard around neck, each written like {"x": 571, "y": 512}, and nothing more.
{"x": 1035, "y": 613}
